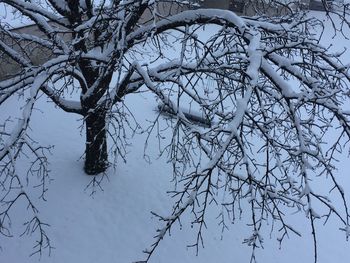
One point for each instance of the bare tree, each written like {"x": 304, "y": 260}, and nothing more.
{"x": 265, "y": 94}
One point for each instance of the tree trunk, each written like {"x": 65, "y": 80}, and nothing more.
{"x": 96, "y": 156}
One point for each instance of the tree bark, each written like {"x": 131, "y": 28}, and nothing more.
{"x": 96, "y": 156}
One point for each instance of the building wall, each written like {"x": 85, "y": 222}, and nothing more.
{"x": 39, "y": 55}
{"x": 31, "y": 51}
{"x": 247, "y": 8}
{"x": 221, "y": 4}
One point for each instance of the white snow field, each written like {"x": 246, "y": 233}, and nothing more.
{"x": 115, "y": 224}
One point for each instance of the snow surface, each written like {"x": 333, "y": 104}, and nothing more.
{"x": 115, "y": 225}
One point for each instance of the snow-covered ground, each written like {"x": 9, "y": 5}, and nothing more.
{"x": 115, "y": 224}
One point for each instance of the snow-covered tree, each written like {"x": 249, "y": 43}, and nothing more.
{"x": 250, "y": 105}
